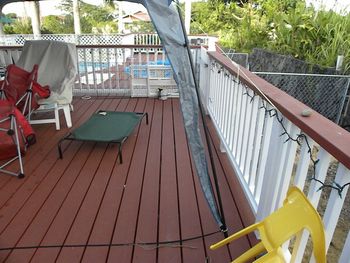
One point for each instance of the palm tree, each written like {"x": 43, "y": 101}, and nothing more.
{"x": 1, "y": 25}
{"x": 188, "y": 7}
{"x": 76, "y": 17}
{"x": 36, "y": 18}
{"x": 120, "y": 20}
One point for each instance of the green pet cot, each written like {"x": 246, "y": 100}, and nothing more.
{"x": 107, "y": 127}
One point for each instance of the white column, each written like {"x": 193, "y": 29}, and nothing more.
{"x": 188, "y": 7}
{"x": 35, "y": 17}
{"x": 120, "y": 18}
{"x": 76, "y": 16}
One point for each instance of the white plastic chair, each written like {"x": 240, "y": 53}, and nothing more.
{"x": 58, "y": 69}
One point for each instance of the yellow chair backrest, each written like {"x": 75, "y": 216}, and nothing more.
{"x": 296, "y": 214}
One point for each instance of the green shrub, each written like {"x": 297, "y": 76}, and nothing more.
{"x": 287, "y": 27}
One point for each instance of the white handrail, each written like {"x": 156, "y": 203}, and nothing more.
{"x": 261, "y": 146}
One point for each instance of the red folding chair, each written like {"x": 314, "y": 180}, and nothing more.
{"x": 20, "y": 87}
{"x": 16, "y": 135}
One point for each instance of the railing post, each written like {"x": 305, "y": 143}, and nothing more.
{"x": 212, "y": 43}
{"x": 128, "y": 39}
{"x": 204, "y": 78}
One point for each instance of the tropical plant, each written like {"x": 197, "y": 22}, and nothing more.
{"x": 57, "y": 25}
{"x": 141, "y": 26}
{"x": 104, "y": 28}
{"x": 287, "y": 27}
{"x": 20, "y": 26}
{"x": 92, "y": 18}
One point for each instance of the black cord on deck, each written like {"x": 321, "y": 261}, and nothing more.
{"x": 111, "y": 244}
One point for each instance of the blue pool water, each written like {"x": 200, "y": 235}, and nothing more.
{"x": 140, "y": 70}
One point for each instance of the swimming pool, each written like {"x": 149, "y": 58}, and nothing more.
{"x": 141, "y": 70}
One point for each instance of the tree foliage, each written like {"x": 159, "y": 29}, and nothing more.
{"x": 286, "y": 26}
{"x": 141, "y": 26}
{"x": 57, "y": 25}
{"x": 19, "y": 26}
{"x": 94, "y": 19}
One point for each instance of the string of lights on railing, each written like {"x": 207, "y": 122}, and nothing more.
{"x": 273, "y": 112}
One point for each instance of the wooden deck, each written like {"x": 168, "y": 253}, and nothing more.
{"x": 89, "y": 208}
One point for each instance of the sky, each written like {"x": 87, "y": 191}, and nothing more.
{"x": 337, "y": 5}
{"x": 48, "y": 7}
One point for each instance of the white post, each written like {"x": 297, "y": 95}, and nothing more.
{"x": 120, "y": 18}
{"x": 2, "y": 33}
{"x": 204, "y": 77}
{"x": 212, "y": 43}
{"x": 76, "y": 17}
{"x": 339, "y": 65}
{"x": 128, "y": 39}
{"x": 188, "y": 7}
{"x": 35, "y": 18}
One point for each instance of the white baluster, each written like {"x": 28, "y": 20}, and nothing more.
{"x": 345, "y": 256}
{"x": 304, "y": 162}
{"x": 314, "y": 197}
{"x": 256, "y": 145}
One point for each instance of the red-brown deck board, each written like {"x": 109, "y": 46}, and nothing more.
{"x": 88, "y": 198}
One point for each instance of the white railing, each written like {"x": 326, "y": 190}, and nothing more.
{"x": 146, "y": 39}
{"x": 107, "y": 70}
{"x": 153, "y": 39}
{"x": 261, "y": 146}
{"x": 111, "y": 69}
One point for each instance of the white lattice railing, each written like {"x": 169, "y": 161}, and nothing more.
{"x": 108, "y": 39}
{"x": 83, "y": 39}
{"x": 265, "y": 160}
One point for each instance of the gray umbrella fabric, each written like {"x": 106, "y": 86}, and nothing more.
{"x": 166, "y": 20}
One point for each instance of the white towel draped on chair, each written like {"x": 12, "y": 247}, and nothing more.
{"x": 57, "y": 68}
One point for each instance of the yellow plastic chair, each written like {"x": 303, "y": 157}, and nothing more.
{"x": 296, "y": 214}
